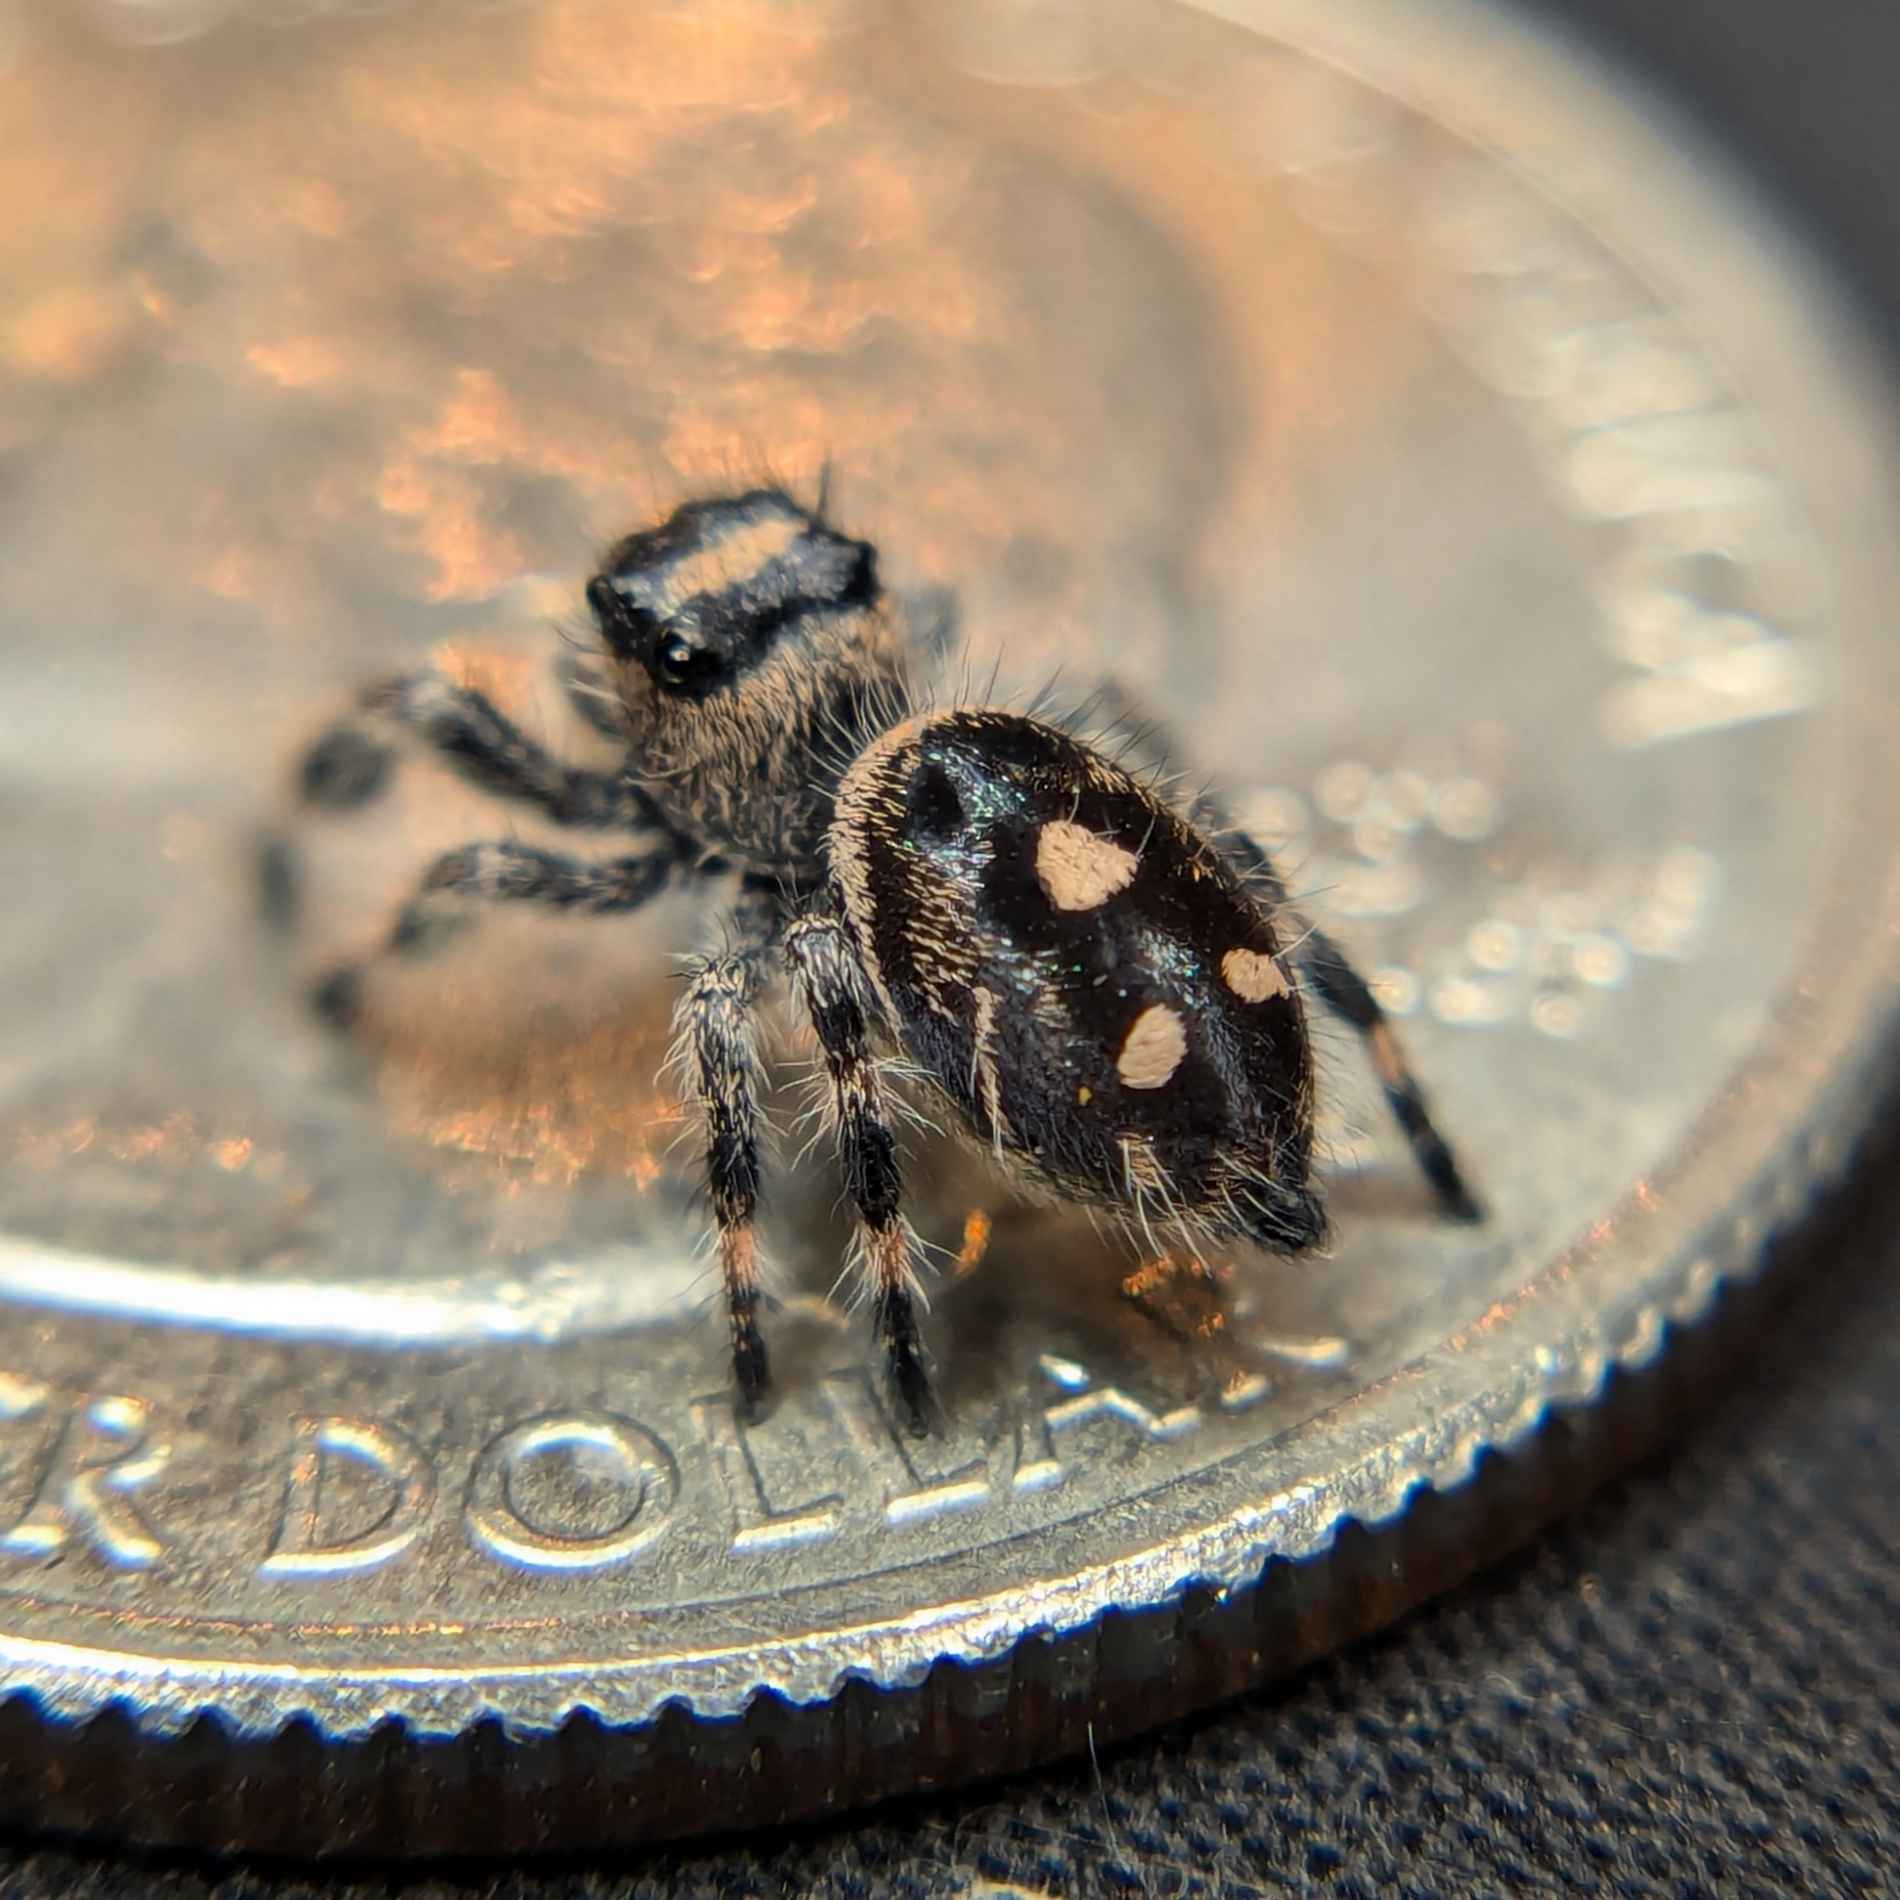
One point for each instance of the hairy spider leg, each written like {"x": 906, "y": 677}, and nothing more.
{"x": 1323, "y": 964}
{"x": 1348, "y": 995}
{"x": 461, "y": 882}
{"x": 349, "y": 765}
{"x": 830, "y": 987}
{"x": 717, "y": 1051}
{"x": 591, "y": 698}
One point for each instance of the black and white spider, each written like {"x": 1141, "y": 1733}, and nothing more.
{"x": 1106, "y": 990}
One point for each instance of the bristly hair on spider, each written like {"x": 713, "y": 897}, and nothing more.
{"x": 1098, "y": 979}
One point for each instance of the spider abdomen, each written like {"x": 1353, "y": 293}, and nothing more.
{"x": 1081, "y": 973}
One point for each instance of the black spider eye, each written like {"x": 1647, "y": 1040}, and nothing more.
{"x": 684, "y": 667}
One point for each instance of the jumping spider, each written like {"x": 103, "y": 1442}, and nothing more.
{"x": 1106, "y": 990}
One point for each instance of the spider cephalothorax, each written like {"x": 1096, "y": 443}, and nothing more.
{"x": 1105, "y": 997}
{"x": 750, "y": 644}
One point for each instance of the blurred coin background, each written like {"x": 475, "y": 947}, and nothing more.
{"x": 1590, "y": 1711}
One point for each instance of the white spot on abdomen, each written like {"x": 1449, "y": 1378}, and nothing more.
{"x": 1252, "y": 977}
{"x": 1153, "y": 1048}
{"x": 1079, "y": 869}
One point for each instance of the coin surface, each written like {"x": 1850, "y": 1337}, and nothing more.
{"x": 1424, "y": 427}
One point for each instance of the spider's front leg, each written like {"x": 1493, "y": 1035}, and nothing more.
{"x": 832, "y": 990}
{"x": 460, "y": 882}
{"x": 716, "y": 1048}
{"x": 350, "y": 764}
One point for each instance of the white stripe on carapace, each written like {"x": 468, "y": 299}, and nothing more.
{"x": 732, "y": 559}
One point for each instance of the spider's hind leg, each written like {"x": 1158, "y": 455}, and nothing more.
{"x": 1348, "y": 995}
{"x": 1321, "y": 962}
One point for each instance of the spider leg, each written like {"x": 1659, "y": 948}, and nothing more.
{"x": 832, "y": 992}
{"x": 460, "y": 882}
{"x": 1348, "y": 995}
{"x": 350, "y": 764}
{"x": 1326, "y": 968}
{"x": 593, "y": 701}
{"x": 717, "y": 1049}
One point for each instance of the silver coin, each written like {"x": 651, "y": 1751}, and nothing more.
{"x": 1420, "y": 421}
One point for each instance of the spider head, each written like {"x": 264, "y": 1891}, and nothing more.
{"x": 699, "y": 603}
